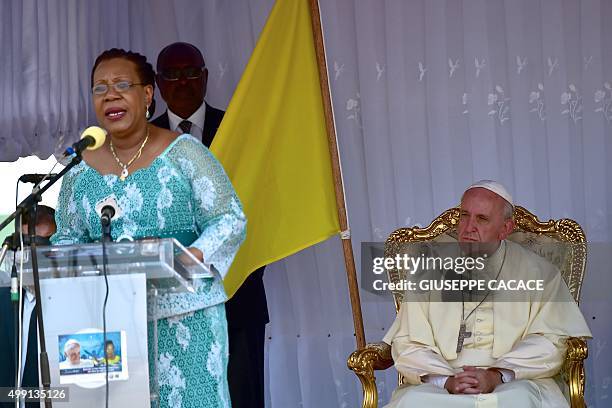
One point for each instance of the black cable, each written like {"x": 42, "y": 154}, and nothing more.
{"x": 104, "y": 262}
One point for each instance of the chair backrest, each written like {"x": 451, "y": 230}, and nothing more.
{"x": 562, "y": 242}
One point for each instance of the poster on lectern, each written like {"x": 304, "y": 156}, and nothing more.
{"x": 84, "y": 356}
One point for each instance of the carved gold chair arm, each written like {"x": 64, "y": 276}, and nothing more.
{"x": 375, "y": 356}
{"x": 573, "y": 370}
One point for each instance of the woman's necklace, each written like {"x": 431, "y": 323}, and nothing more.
{"x": 124, "y": 167}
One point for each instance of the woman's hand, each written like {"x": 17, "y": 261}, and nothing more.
{"x": 187, "y": 261}
{"x": 197, "y": 253}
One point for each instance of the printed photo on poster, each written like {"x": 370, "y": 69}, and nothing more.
{"x": 83, "y": 357}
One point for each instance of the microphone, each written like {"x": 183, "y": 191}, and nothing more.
{"x": 107, "y": 214}
{"x": 35, "y": 178}
{"x": 14, "y": 285}
{"x": 92, "y": 138}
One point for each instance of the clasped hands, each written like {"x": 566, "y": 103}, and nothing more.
{"x": 473, "y": 381}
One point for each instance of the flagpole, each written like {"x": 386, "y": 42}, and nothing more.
{"x": 349, "y": 260}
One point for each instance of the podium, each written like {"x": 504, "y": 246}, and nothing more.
{"x": 73, "y": 290}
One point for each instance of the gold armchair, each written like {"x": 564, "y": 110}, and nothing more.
{"x": 529, "y": 232}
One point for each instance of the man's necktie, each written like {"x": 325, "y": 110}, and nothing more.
{"x": 185, "y": 126}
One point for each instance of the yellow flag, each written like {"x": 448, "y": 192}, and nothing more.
{"x": 273, "y": 144}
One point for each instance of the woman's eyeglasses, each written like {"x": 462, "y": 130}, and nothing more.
{"x": 121, "y": 86}
{"x": 174, "y": 74}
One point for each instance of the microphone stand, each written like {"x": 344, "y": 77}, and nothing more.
{"x": 106, "y": 238}
{"x": 15, "y": 297}
{"x": 30, "y": 203}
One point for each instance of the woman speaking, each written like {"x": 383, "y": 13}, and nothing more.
{"x": 165, "y": 185}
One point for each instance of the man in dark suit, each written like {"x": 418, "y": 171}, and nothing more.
{"x": 182, "y": 78}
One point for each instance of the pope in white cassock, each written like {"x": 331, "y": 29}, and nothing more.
{"x": 486, "y": 353}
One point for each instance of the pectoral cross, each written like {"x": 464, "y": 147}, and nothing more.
{"x": 463, "y": 334}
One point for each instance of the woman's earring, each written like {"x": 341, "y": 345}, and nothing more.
{"x": 147, "y": 114}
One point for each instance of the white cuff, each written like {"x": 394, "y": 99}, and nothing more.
{"x": 437, "y": 380}
{"x": 507, "y": 375}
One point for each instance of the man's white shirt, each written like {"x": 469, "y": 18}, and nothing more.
{"x": 197, "y": 121}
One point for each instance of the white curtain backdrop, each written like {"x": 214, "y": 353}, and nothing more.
{"x": 429, "y": 95}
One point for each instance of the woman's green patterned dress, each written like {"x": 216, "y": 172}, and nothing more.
{"x": 184, "y": 194}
